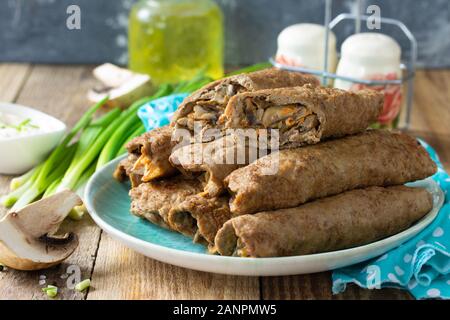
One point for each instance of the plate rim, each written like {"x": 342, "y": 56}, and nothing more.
{"x": 128, "y": 239}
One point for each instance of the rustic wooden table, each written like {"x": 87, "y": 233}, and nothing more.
{"x": 120, "y": 273}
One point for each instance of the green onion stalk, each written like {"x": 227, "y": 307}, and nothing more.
{"x": 124, "y": 125}
{"x": 83, "y": 285}
{"x": 87, "y": 138}
{"x": 50, "y": 291}
{"x": 140, "y": 129}
{"x": 38, "y": 189}
{"x": 78, "y": 212}
{"x": 252, "y": 68}
{"x": 11, "y": 198}
{"x": 20, "y": 181}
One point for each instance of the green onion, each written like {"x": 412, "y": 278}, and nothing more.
{"x": 11, "y": 198}
{"x": 91, "y": 133}
{"x": 252, "y": 68}
{"x": 87, "y": 139}
{"x": 83, "y": 285}
{"x": 85, "y": 177}
{"x": 39, "y": 186}
{"x": 136, "y": 133}
{"x": 77, "y": 212}
{"x": 124, "y": 139}
{"x": 113, "y": 144}
{"x": 93, "y": 140}
{"x": 189, "y": 86}
{"x": 52, "y": 188}
{"x": 113, "y": 135}
{"x": 20, "y": 181}
{"x": 51, "y": 291}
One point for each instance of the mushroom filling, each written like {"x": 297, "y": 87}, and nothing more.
{"x": 151, "y": 167}
{"x": 240, "y": 250}
{"x": 143, "y": 163}
{"x": 187, "y": 225}
{"x": 208, "y": 111}
{"x": 125, "y": 169}
{"x": 286, "y": 118}
{"x": 185, "y": 222}
{"x": 230, "y": 244}
{"x": 157, "y": 219}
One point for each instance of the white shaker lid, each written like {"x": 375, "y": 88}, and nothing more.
{"x": 304, "y": 36}
{"x": 371, "y": 47}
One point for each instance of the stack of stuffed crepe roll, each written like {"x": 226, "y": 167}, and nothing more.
{"x": 328, "y": 184}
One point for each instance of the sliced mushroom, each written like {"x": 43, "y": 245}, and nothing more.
{"x": 121, "y": 85}
{"x": 28, "y": 239}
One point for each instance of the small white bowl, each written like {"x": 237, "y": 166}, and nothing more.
{"x": 19, "y": 154}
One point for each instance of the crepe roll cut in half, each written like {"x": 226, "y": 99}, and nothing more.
{"x": 154, "y": 200}
{"x": 152, "y": 150}
{"x": 208, "y": 103}
{"x": 124, "y": 171}
{"x": 211, "y": 162}
{"x": 304, "y": 115}
{"x": 200, "y": 218}
{"x": 343, "y": 221}
{"x": 291, "y": 177}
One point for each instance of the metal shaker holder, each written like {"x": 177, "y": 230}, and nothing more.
{"x": 408, "y": 65}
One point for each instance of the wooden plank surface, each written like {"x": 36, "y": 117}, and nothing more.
{"x": 431, "y": 112}
{"x": 120, "y": 273}
{"x": 13, "y": 77}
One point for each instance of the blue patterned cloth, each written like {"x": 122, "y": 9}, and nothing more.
{"x": 158, "y": 113}
{"x": 421, "y": 265}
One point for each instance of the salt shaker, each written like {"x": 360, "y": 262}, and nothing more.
{"x": 373, "y": 56}
{"x": 302, "y": 45}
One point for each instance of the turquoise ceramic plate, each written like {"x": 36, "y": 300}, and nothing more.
{"x": 109, "y": 205}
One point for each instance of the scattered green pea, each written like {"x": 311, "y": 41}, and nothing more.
{"x": 51, "y": 291}
{"x": 83, "y": 285}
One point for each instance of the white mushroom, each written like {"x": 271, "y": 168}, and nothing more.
{"x": 121, "y": 85}
{"x": 28, "y": 239}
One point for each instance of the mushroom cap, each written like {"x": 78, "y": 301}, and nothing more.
{"x": 27, "y": 237}
{"x": 11, "y": 260}
{"x": 122, "y": 86}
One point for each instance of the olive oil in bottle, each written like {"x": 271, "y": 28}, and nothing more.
{"x": 174, "y": 40}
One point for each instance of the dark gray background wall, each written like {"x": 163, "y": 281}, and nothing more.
{"x": 35, "y": 30}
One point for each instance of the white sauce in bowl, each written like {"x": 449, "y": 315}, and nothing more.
{"x": 12, "y": 126}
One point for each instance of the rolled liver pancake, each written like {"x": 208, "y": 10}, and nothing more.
{"x": 346, "y": 220}
{"x": 372, "y": 158}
